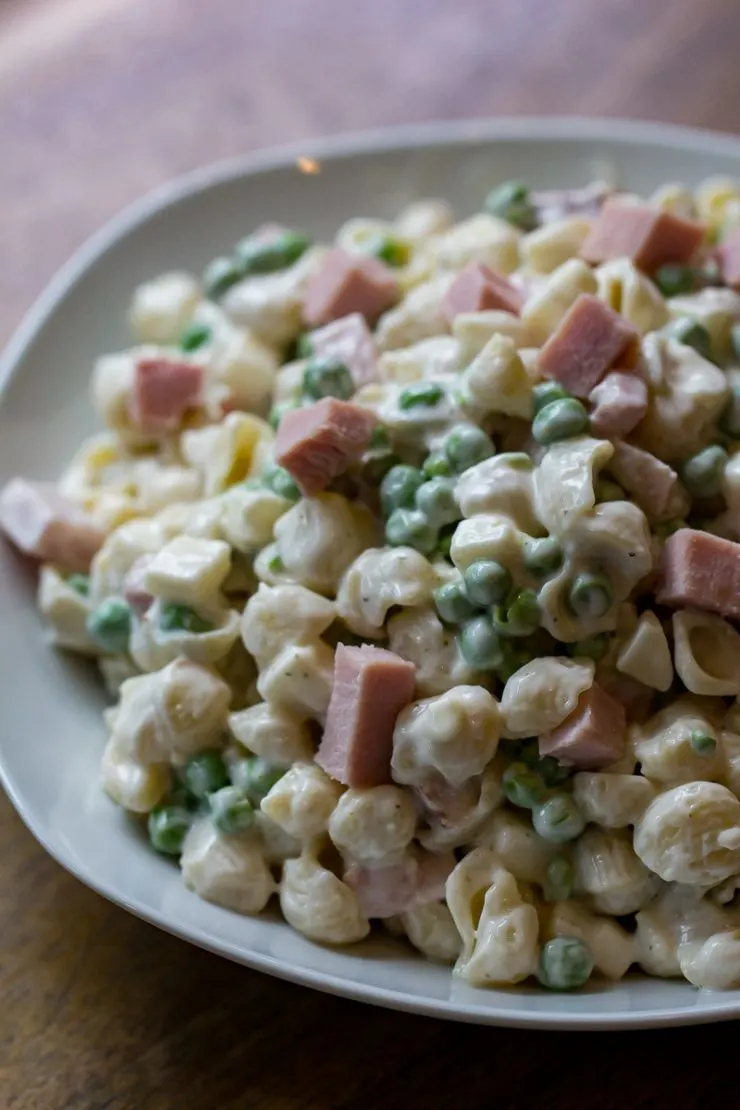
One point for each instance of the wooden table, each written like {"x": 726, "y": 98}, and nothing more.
{"x": 99, "y": 101}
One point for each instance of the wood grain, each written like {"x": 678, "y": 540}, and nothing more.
{"x": 101, "y": 100}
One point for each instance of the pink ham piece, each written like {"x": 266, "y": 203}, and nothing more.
{"x": 134, "y": 589}
{"x": 593, "y": 736}
{"x": 588, "y": 341}
{"x": 634, "y": 696}
{"x": 619, "y": 401}
{"x": 650, "y": 237}
{"x": 416, "y": 880}
{"x": 371, "y": 687}
{"x": 346, "y": 283}
{"x": 349, "y": 340}
{"x": 316, "y": 444}
{"x": 701, "y": 570}
{"x": 478, "y": 288}
{"x": 727, "y": 255}
{"x": 164, "y": 390}
{"x": 43, "y": 524}
{"x": 654, "y": 485}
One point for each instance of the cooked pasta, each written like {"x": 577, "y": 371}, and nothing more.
{"x": 409, "y": 562}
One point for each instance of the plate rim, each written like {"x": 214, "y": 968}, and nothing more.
{"x": 526, "y": 129}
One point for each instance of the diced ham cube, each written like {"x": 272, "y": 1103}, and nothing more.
{"x": 654, "y": 485}
{"x": 346, "y": 283}
{"x": 383, "y": 891}
{"x": 371, "y": 687}
{"x": 44, "y": 525}
{"x": 386, "y": 890}
{"x": 559, "y": 204}
{"x": 478, "y": 288}
{"x": 592, "y": 737}
{"x": 447, "y": 805}
{"x": 649, "y": 236}
{"x": 619, "y": 401}
{"x": 588, "y": 341}
{"x": 634, "y": 696}
{"x": 134, "y": 588}
{"x": 350, "y": 340}
{"x": 727, "y": 255}
{"x": 164, "y": 390}
{"x": 701, "y": 570}
{"x": 316, "y": 444}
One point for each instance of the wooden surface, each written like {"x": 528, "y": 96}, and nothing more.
{"x": 99, "y": 101}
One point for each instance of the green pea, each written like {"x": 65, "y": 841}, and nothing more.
{"x": 520, "y": 617}
{"x": 558, "y": 885}
{"x": 515, "y": 656}
{"x": 389, "y": 249}
{"x": 566, "y": 964}
{"x": 665, "y": 528}
{"x": 80, "y": 583}
{"x": 545, "y": 393}
{"x": 420, "y": 395}
{"x": 511, "y": 202}
{"x": 375, "y": 467}
{"x": 175, "y": 617}
{"x": 702, "y": 474}
{"x": 480, "y": 645}
{"x": 231, "y": 810}
{"x": 522, "y": 786}
{"x": 703, "y": 743}
{"x": 674, "y": 279}
{"x": 590, "y": 595}
{"x": 219, "y": 276}
{"x": 729, "y": 421}
{"x": 487, "y": 582}
{"x": 398, "y": 488}
{"x": 560, "y": 420}
{"x": 444, "y": 543}
{"x": 453, "y": 604}
{"x": 467, "y": 445}
{"x": 436, "y": 465}
{"x": 691, "y": 333}
{"x": 517, "y": 460}
{"x": 304, "y": 345}
{"x": 109, "y": 625}
{"x": 558, "y": 819}
{"x": 277, "y": 412}
{"x": 593, "y": 647}
{"x": 267, "y": 254}
{"x": 553, "y": 772}
{"x": 606, "y": 490}
{"x": 411, "y": 528}
{"x": 195, "y": 336}
{"x": 436, "y": 499}
{"x": 542, "y": 557}
{"x": 277, "y": 479}
{"x": 521, "y": 751}
{"x": 327, "y": 377}
{"x": 204, "y": 773}
{"x": 379, "y": 440}
{"x": 168, "y": 826}
{"x": 255, "y": 777}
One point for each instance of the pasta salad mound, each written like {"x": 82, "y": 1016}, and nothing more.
{"x": 411, "y": 563}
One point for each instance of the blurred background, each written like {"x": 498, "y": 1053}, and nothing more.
{"x": 100, "y": 100}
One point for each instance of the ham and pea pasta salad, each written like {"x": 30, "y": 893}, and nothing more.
{"x": 412, "y": 565}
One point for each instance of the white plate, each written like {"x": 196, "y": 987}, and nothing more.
{"x": 51, "y": 734}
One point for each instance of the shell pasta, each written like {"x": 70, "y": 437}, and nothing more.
{"x": 411, "y": 564}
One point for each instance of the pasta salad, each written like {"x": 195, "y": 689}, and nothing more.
{"x": 411, "y": 563}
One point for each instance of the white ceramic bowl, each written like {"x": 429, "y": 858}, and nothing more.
{"x": 51, "y": 733}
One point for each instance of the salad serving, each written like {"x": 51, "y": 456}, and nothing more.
{"x": 411, "y": 563}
